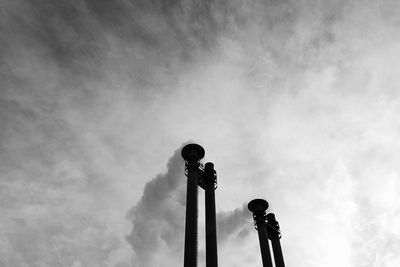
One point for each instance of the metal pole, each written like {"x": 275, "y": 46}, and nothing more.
{"x": 274, "y": 235}
{"x": 258, "y": 207}
{"x": 192, "y": 154}
{"x": 210, "y": 182}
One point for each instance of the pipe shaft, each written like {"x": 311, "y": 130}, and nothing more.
{"x": 264, "y": 245}
{"x": 190, "y": 254}
{"x": 211, "y": 227}
{"x": 277, "y": 249}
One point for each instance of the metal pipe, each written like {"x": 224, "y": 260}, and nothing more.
{"x": 274, "y": 235}
{"x": 191, "y": 153}
{"x": 210, "y": 182}
{"x": 258, "y": 207}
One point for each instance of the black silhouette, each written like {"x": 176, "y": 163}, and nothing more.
{"x": 209, "y": 184}
{"x": 192, "y": 154}
{"x": 268, "y": 228}
{"x": 206, "y": 178}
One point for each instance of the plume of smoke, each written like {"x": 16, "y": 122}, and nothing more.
{"x": 231, "y": 221}
{"x": 158, "y": 218}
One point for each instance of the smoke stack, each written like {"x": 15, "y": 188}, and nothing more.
{"x": 208, "y": 182}
{"x": 192, "y": 154}
{"x": 274, "y": 235}
{"x": 258, "y": 207}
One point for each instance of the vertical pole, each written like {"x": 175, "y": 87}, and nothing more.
{"x": 264, "y": 245}
{"x": 190, "y": 257}
{"x": 258, "y": 207}
{"x": 275, "y": 235}
{"x": 211, "y": 224}
{"x": 192, "y": 154}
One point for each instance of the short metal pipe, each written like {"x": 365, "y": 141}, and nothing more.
{"x": 275, "y": 235}
{"x": 211, "y": 226}
{"x": 190, "y": 254}
{"x": 277, "y": 250}
{"x": 264, "y": 245}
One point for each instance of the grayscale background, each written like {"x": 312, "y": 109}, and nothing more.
{"x": 295, "y": 101}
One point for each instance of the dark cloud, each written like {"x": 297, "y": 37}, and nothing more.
{"x": 79, "y": 35}
{"x": 76, "y": 50}
{"x": 82, "y": 36}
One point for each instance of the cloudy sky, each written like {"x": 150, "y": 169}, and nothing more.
{"x": 296, "y": 102}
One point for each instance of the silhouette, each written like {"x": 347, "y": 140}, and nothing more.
{"x": 274, "y": 235}
{"x": 209, "y": 184}
{"x": 192, "y": 154}
{"x": 268, "y": 228}
{"x": 206, "y": 178}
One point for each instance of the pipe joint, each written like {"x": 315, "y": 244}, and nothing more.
{"x": 208, "y": 176}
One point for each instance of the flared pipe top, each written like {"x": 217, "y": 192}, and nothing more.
{"x": 258, "y": 205}
{"x": 192, "y": 152}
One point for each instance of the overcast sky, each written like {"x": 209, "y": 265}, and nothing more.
{"x": 296, "y": 102}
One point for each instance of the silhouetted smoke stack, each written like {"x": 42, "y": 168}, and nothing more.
{"x": 192, "y": 154}
{"x": 274, "y": 235}
{"x": 258, "y": 207}
{"x": 208, "y": 182}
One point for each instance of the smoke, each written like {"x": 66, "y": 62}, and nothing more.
{"x": 158, "y": 219}
{"x": 301, "y": 97}
{"x": 232, "y": 221}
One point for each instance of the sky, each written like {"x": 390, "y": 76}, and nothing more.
{"x": 295, "y": 102}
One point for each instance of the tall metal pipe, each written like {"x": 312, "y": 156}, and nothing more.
{"x": 192, "y": 154}
{"x": 258, "y": 207}
{"x": 274, "y": 235}
{"x": 209, "y": 183}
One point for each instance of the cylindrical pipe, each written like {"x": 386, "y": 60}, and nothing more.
{"x": 264, "y": 245}
{"x": 258, "y": 207}
{"x": 211, "y": 224}
{"x": 278, "y": 257}
{"x": 274, "y": 236}
{"x": 192, "y": 154}
{"x": 190, "y": 257}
